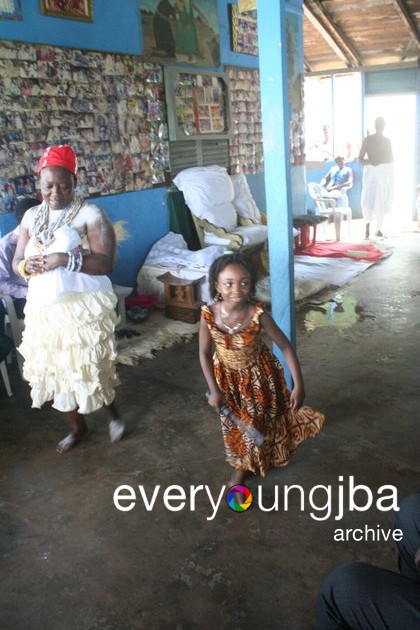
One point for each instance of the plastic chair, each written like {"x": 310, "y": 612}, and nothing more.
{"x": 16, "y": 327}
{"x": 5, "y": 375}
{"x": 6, "y": 345}
{"x": 328, "y": 205}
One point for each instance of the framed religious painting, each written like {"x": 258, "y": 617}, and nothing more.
{"x": 181, "y": 32}
{"x": 68, "y": 9}
{"x": 10, "y": 10}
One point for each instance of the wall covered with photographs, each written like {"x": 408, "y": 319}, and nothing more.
{"x": 110, "y": 108}
{"x": 246, "y": 145}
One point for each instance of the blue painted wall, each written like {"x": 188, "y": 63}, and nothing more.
{"x": 146, "y": 220}
{"x": 116, "y": 27}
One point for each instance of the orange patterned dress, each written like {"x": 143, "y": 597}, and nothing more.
{"x": 252, "y": 381}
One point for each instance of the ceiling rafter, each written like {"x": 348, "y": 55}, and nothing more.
{"x": 407, "y": 49}
{"x": 348, "y": 35}
{"x": 315, "y": 22}
{"x": 333, "y": 35}
{"x": 407, "y": 19}
{"x": 307, "y": 66}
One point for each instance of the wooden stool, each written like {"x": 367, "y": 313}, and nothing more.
{"x": 182, "y": 297}
{"x": 304, "y": 222}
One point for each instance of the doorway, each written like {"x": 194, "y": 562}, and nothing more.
{"x": 399, "y": 112}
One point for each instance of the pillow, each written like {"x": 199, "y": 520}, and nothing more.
{"x": 208, "y": 192}
{"x": 243, "y": 200}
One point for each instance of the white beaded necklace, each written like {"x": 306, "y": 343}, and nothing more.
{"x": 43, "y": 232}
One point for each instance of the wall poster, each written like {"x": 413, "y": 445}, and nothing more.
{"x": 181, "y": 31}
{"x": 68, "y": 9}
{"x": 10, "y": 10}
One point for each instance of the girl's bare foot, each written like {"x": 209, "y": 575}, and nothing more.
{"x": 237, "y": 478}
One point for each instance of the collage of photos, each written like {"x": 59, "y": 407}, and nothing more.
{"x": 246, "y": 144}
{"x": 109, "y": 108}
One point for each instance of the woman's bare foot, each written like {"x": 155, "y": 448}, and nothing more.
{"x": 116, "y": 430}
{"x": 70, "y": 441}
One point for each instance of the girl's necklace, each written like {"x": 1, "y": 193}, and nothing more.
{"x": 230, "y": 329}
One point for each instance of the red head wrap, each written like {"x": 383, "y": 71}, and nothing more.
{"x": 61, "y": 155}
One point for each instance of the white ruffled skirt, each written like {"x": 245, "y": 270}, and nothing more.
{"x": 69, "y": 350}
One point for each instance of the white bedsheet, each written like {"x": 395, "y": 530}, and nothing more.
{"x": 332, "y": 271}
{"x": 312, "y": 273}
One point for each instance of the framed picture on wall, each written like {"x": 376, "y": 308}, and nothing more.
{"x": 197, "y": 104}
{"x": 244, "y": 30}
{"x": 68, "y": 9}
{"x": 181, "y": 31}
{"x": 10, "y": 10}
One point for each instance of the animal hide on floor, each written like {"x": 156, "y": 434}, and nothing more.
{"x": 155, "y": 333}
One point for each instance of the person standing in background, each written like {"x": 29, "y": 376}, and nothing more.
{"x": 378, "y": 177}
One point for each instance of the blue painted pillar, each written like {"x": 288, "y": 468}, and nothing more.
{"x": 275, "y": 126}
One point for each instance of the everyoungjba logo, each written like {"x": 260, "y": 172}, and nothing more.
{"x": 321, "y": 501}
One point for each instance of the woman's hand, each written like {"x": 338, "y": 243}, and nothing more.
{"x": 35, "y": 265}
{"x": 55, "y": 260}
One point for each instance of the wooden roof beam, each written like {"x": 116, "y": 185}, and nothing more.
{"x": 338, "y": 35}
{"x": 307, "y": 66}
{"x": 325, "y": 34}
{"x": 409, "y": 50}
{"x": 407, "y": 19}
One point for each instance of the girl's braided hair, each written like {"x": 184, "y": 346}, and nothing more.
{"x": 236, "y": 258}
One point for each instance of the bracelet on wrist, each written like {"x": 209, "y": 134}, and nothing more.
{"x": 21, "y": 269}
{"x": 75, "y": 261}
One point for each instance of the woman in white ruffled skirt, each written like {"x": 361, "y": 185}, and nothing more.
{"x": 65, "y": 249}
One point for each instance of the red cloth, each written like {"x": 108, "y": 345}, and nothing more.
{"x": 346, "y": 250}
{"x": 61, "y": 155}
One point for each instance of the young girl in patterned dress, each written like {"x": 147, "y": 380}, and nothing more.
{"x": 244, "y": 374}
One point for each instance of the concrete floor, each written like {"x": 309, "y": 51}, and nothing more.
{"x": 72, "y": 561}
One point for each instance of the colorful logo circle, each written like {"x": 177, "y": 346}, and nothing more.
{"x": 239, "y": 498}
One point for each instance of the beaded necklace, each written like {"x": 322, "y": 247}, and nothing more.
{"x": 230, "y": 329}
{"x": 43, "y": 232}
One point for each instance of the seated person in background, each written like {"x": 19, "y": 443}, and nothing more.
{"x": 10, "y": 283}
{"x": 355, "y": 595}
{"x": 334, "y": 188}
{"x": 337, "y": 181}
